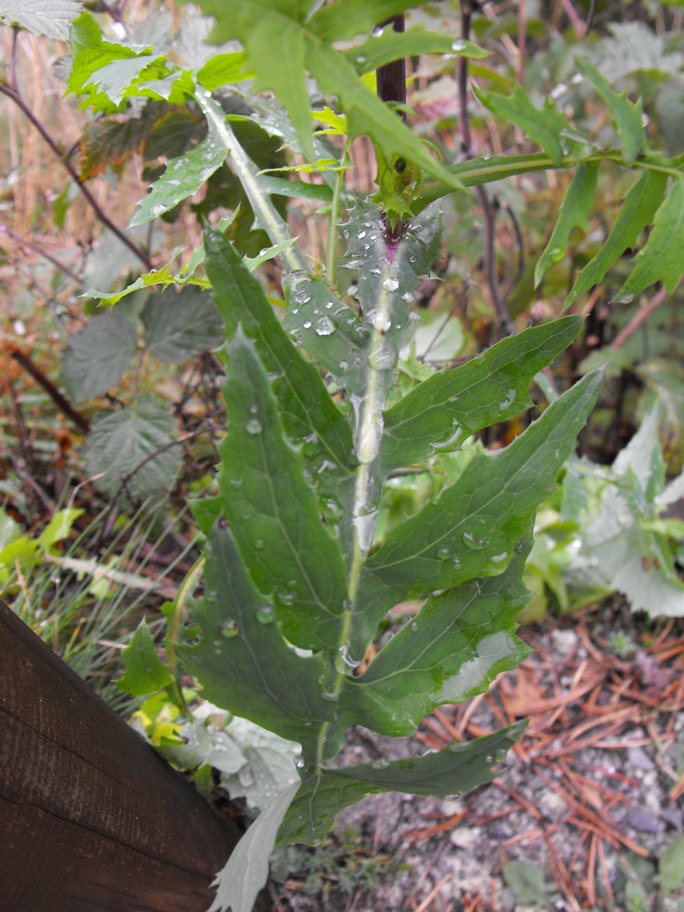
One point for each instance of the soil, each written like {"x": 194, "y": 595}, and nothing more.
{"x": 589, "y": 799}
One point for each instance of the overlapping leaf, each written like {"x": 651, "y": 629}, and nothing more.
{"x": 274, "y": 513}
{"x": 637, "y": 211}
{"x": 449, "y": 406}
{"x": 97, "y": 357}
{"x": 661, "y": 259}
{"x": 243, "y": 661}
{"x": 473, "y": 527}
{"x": 307, "y": 44}
{"x": 628, "y": 116}
{"x": 459, "y": 641}
{"x": 308, "y": 413}
{"x": 544, "y": 125}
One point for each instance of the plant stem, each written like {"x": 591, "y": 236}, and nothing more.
{"x": 331, "y": 245}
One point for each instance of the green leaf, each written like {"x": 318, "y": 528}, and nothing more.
{"x": 473, "y": 527}
{"x": 307, "y": 43}
{"x": 223, "y": 69}
{"x": 246, "y": 871}
{"x": 671, "y": 866}
{"x": 145, "y": 672}
{"x": 543, "y": 125}
{"x": 97, "y": 357}
{"x": 628, "y": 116}
{"x": 50, "y": 18}
{"x": 187, "y": 173}
{"x": 59, "y": 527}
{"x": 451, "y": 405}
{"x": 306, "y": 408}
{"x": 180, "y": 326}
{"x": 452, "y": 650}
{"x": 274, "y": 513}
{"x": 573, "y": 213}
{"x": 636, "y": 213}
{"x": 257, "y": 188}
{"x": 134, "y": 445}
{"x": 91, "y": 52}
{"x": 388, "y": 45}
{"x": 458, "y": 767}
{"x": 243, "y": 661}
{"x": 661, "y": 259}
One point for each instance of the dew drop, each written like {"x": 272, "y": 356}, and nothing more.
{"x": 307, "y": 324}
{"x": 343, "y": 365}
{"x": 229, "y": 629}
{"x": 381, "y": 764}
{"x": 325, "y": 327}
{"x": 473, "y": 542}
{"x": 390, "y": 284}
{"x": 378, "y": 31}
{"x": 253, "y": 426}
{"x": 361, "y": 235}
{"x": 499, "y": 558}
{"x": 265, "y": 614}
{"x": 458, "y": 46}
{"x": 486, "y": 155}
{"x": 409, "y": 297}
{"x": 259, "y": 544}
{"x": 443, "y": 553}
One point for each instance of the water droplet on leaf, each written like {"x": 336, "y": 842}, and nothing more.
{"x": 253, "y": 426}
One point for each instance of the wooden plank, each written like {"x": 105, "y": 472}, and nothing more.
{"x": 91, "y": 818}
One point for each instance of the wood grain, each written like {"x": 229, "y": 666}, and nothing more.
{"x": 91, "y": 818}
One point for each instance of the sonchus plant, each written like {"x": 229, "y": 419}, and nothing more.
{"x": 296, "y": 586}
{"x": 295, "y": 590}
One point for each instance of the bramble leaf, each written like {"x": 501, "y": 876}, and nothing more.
{"x": 181, "y": 325}
{"x": 131, "y": 451}
{"x": 50, "y": 18}
{"x": 387, "y": 45}
{"x": 97, "y": 357}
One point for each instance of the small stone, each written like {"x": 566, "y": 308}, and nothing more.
{"x": 642, "y": 821}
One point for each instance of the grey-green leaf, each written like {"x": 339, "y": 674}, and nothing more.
{"x": 181, "y": 325}
{"x": 97, "y": 357}
{"x": 458, "y": 767}
{"x": 459, "y": 641}
{"x": 306, "y": 408}
{"x": 187, "y": 173}
{"x": 130, "y": 452}
{"x": 472, "y": 528}
{"x": 242, "y": 660}
{"x": 274, "y": 512}
{"x": 573, "y": 213}
{"x": 449, "y": 406}
{"x": 246, "y": 871}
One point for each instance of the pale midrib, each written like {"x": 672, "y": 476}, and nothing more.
{"x": 372, "y": 408}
